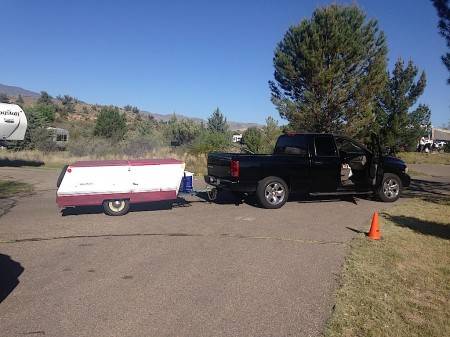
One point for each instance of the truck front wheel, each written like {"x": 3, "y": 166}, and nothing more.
{"x": 390, "y": 188}
{"x": 116, "y": 207}
{"x": 272, "y": 192}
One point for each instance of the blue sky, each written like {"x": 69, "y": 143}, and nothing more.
{"x": 192, "y": 56}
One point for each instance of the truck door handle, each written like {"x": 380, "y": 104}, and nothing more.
{"x": 318, "y": 163}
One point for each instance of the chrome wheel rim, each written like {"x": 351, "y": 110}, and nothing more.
{"x": 391, "y": 188}
{"x": 116, "y": 205}
{"x": 274, "y": 193}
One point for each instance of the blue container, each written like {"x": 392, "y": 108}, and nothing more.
{"x": 186, "y": 182}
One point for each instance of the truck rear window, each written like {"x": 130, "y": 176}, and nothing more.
{"x": 292, "y": 144}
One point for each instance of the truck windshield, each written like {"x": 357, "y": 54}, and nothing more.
{"x": 292, "y": 144}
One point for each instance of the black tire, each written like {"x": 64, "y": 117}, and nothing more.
{"x": 116, "y": 207}
{"x": 272, "y": 192}
{"x": 391, "y": 188}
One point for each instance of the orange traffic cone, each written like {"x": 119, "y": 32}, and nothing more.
{"x": 374, "y": 232}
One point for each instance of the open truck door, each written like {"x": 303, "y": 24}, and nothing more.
{"x": 376, "y": 165}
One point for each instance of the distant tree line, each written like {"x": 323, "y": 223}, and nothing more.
{"x": 111, "y": 132}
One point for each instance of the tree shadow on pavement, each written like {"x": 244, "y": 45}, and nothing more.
{"x": 426, "y": 188}
{"x": 10, "y": 271}
{"x": 19, "y": 163}
{"x": 436, "y": 229}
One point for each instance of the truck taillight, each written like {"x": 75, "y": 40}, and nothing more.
{"x": 235, "y": 168}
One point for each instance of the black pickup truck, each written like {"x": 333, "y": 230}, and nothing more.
{"x": 312, "y": 163}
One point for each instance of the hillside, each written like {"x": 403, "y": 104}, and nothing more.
{"x": 16, "y": 91}
{"x": 85, "y": 111}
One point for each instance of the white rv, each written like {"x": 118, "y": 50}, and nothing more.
{"x": 13, "y": 123}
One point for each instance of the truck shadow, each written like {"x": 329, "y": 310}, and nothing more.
{"x": 9, "y": 275}
{"x": 305, "y": 198}
{"x": 225, "y": 197}
{"x": 159, "y": 205}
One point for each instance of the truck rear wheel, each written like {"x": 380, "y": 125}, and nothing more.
{"x": 391, "y": 188}
{"x": 116, "y": 207}
{"x": 272, "y": 192}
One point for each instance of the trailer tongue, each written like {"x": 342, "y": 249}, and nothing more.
{"x": 116, "y": 184}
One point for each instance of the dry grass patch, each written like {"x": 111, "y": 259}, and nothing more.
{"x": 425, "y": 158}
{"x": 10, "y": 187}
{"x": 400, "y": 285}
{"x": 57, "y": 160}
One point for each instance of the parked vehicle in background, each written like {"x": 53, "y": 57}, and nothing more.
{"x": 438, "y": 145}
{"x": 436, "y": 140}
{"x": 313, "y": 163}
{"x": 13, "y": 123}
{"x": 59, "y": 136}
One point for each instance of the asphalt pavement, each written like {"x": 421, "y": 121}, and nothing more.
{"x": 187, "y": 268}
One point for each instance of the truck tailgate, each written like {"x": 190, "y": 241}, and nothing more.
{"x": 219, "y": 165}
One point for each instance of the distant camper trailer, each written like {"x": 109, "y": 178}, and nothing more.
{"x": 13, "y": 123}
{"x": 60, "y": 136}
{"x": 237, "y": 138}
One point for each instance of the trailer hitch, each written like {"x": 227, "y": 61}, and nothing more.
{"x": 212, "y": 194}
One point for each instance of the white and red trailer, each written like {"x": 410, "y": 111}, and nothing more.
{"x": 116, "y": 184}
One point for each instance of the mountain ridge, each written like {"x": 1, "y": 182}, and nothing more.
{"x": 16, "y": 91}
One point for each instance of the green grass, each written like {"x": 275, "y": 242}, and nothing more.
{"x": 10, "y": 187}
{"x": 399, "y": 285}
{"x": 425, "y": 158}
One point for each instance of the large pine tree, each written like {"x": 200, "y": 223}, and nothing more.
{"x": 399, "y": 126}
{"x": 328, "y": 71}
{"x": 443, "y": 10}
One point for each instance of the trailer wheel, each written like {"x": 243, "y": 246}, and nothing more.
{"x": 272, "y": 192}
{"x": 116, "y": 207}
